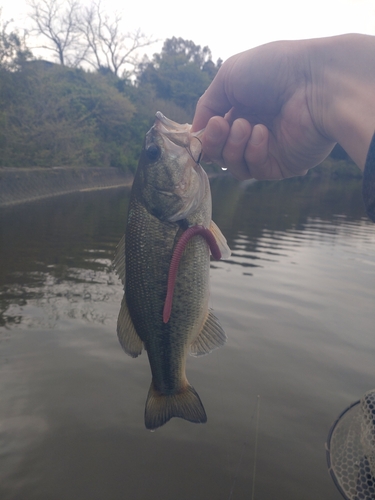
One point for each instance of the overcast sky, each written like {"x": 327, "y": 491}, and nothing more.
{"x": 233, "y": 28}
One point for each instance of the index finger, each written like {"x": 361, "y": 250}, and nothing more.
{"x": 214, "y": 102}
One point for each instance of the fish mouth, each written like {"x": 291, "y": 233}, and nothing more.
{"x": 167, "y": 126}
{"x": 171, "y": 126}
{"x": 180, "y": 135}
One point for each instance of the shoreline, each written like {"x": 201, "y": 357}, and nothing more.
{"x": 24, "y": 185}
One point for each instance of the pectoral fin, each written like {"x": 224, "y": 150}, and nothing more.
{"x": 128, "y": 337}
{"x": 220, "y": 240}
{"x": 211, "y": 337}
{"x": 119, "y": 260}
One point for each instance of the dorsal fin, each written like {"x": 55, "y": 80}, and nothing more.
{"x": 211, "y": 337}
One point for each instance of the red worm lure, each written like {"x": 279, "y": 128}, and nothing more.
{"x": 176, "y": 257}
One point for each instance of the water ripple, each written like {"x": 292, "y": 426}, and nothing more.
{"x": 85, "y": 294}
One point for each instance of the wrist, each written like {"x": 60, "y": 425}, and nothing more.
{"x": 343, "y": 91}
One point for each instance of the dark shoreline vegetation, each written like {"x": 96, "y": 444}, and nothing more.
{"x": 63, "y": 115}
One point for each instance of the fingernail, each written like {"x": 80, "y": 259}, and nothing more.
{"x": 256, "y": 135}
{"x": 214, "y": 131}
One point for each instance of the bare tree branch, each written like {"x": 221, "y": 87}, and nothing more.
{"x": 56, "y": 21}
{"x": 108, "y": 46}
{"x": 79, "y": 35}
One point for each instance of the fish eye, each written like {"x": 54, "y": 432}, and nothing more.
{"x": 153, "y": 152}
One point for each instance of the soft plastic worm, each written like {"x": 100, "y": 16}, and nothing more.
{"x": 176, "y": 257}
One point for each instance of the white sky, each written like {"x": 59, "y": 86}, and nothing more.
{"x": 235, "y": 25}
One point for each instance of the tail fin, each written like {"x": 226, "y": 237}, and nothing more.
{"x": 161, "y": 407}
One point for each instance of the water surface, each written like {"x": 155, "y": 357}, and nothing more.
{"x": 296, "y": 299}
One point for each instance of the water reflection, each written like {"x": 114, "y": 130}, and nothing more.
{"x": 58, "y": 259}
{"x": 80, "y": 295}
{"x": 296, "y": 301}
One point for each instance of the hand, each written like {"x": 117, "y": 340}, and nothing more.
{"x": 270, "y": 111}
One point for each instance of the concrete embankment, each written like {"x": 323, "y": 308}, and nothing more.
{"x": 19, "y": 185}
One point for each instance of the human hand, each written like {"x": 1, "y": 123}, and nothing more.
{"x": 268, "y": 112}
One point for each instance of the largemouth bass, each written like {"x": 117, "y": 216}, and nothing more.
{"x": 164, "y": 262}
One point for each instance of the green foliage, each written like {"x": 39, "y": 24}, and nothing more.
{"x": 55, "y": 116}
{"x": 181, "y": 73}
{"x": 13, "y": 51}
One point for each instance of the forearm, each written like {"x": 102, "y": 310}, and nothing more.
{"x": 343, "y": 79}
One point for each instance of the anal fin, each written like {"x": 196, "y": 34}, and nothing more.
{"x": 127, "y": 335}
{"x": 119, "y": 260}
{"x": 211, "y": 337}
{"x": 185, "y": 404}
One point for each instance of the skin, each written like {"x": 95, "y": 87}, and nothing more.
{"x": 277, "y": 110}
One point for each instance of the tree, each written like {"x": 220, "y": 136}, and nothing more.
{"x": 54, "y": 116}
{"x": 13, "y": 50}
{"x": 56, "y": 21}
{"x": 80, "y": 35}
{"x": 183, "y": 52}
{"x": 108, "y": 48}
{"x": 181, "y": 72}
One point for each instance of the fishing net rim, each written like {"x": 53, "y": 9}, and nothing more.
{"x": 328, "y": 447}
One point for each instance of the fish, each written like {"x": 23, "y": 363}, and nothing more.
{"x": 164, "y": 262}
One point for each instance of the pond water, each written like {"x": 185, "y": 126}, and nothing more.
{"x": 296, "y": 300}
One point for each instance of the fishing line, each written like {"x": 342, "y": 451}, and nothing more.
{"x": 221, "y": 378}
{"x": 257, "y": 413}
{"x": 256, "y": 446}
{"x": 191, "y": 154}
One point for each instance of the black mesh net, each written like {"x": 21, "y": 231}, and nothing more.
{"x": 351, "y": 450}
